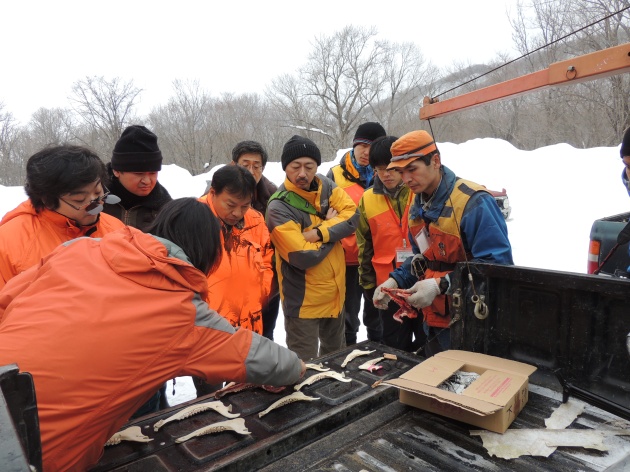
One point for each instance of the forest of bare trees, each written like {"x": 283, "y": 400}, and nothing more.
{"x": 350, "y": 77}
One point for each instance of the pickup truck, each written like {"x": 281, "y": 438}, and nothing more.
{"x": 503, "y": 201}
{"x": 572, "y": 327}
{"x": 605, "y": 255}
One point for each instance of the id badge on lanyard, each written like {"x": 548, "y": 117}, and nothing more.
{"x": 403, "y": 252}
{"x": 423, "y": 240}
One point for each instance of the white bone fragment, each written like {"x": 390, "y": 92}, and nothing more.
{"x": 294, "y": 397}
{"x": 371, "y": 364}
{"x": 319, "y": 367}
{"x": 354, "y": 354}
{"x": 133, "y": 433}
{"x": 194, "y": 409}
{"x": 237, "y": 425}
{"x": 323, "y": 375}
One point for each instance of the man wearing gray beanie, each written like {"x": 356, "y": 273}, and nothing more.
{"x": 307, "y": 219}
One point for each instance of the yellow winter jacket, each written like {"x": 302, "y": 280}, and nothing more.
{"x": 312, "y": 276}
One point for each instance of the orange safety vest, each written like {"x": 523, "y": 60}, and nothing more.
{"x": 445, "y": 245}
{"x": 388, "y": 231}
{"x": 355, "y": 190}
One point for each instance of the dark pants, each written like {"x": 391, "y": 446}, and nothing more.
{"x": 204, "y": 388}
{"x": 371, "y": 318}
{"x": 407, "y": 336}
{"x": 270, "y": 315}
{"x": 314, "y": 337}
{"x": 438, "y": 340}
{"x": 156, "y": 403}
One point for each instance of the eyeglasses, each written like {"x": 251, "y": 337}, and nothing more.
{"x": 94, "y": 207}
{"x": 252, "y": 167}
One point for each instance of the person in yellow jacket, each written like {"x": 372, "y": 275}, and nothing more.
{"x": 354, "y": 174}
{"x": 307, "y": 218}
{"x": 100, "y": 324}
{"x": 67, "y": 187}
{"x": 383, "y": 240}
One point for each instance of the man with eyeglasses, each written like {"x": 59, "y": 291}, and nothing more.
{"x": 354, "y": 174}
{"x": 133, "y": 172}
{"x": 66, "y": 189}
{"x": 252, "y": 156}
{"x": 452, "y": 220}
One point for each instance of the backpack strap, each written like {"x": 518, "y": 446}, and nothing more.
{"x": 296, "y": 201}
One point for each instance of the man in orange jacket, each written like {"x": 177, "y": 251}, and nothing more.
{"x": 247, "y": 254}
{"x": 101, "y": 323}
{"x": 66, "y": 186}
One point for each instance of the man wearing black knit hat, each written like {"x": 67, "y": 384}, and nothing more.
{"x": 307, "y": 218}
{"x": 133, "y": 171}
{"x": 354, "y": 174}
{"x": 136, "y": 160}
{"x": 624, "y": 151}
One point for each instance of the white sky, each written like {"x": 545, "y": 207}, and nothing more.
{"x": 228, "y": 46}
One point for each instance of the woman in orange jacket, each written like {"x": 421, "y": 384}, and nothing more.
{"x": 102, "y": 323}
{"x": 66, "y": 186}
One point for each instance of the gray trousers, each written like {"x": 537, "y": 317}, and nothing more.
{"x": 310, "y": 338}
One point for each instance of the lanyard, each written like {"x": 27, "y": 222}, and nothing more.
{"x": 403, "y": 222}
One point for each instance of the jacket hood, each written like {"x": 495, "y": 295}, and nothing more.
{"x": 143, "y": 258}
{"x": 24, "y": 208}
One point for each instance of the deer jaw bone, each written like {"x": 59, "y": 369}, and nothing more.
{"x": 319, "y": 367}
{"x": 194, "y": 409}
{"x": 323, "y": 375}
{"x": 354, "y": 354}
{"x": 371, "y": 366}
{"x": 132, "y": 433}
{"x": 294, "y": 397}
{"x": 237, "y": 425}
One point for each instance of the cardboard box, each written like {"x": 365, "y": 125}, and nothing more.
{"x": 492, "y": 401}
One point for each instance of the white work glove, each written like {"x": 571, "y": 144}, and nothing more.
{"x": 423, "y": 293}
{"x": 381, "y": 299}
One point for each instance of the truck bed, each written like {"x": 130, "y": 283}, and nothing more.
{"x": 353, "y": 427}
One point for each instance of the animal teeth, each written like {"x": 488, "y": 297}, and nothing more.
{"x": 237, "y": 425}
{"x": 323, "y": 375}
{"x": 294, "y": 397}
{"x": 354, "y": 354}
{"x": 319, "y": 367}
{"x": 195, "y": 409}
{"x": 371, "y": 364}
{"x": 133, "y": 433}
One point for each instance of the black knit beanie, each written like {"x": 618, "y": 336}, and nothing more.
{"x": 368, "y": 132}
{"x": 137, "y": 151}
{"x": 625, "y": 144}
{"x": 297, "y": 147}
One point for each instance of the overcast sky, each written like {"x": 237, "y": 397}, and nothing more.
{"x": 228, "y": 46}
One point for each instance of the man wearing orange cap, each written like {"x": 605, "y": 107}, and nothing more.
{"x": 451, "y": 220}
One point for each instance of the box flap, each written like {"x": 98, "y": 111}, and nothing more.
{"x": 433, "y": 371}
{"x": 488, "y": 362}
{"x": 470, "y": 404}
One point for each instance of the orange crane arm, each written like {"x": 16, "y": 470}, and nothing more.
{"x": 595, "y": 65}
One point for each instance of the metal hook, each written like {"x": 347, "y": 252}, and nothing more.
{"x": 481, "y": 309}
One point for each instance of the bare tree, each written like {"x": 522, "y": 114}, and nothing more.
{"x": 105, "y": 106}
{"x": 11, "y": 161}
{"x": 182, "y": 127}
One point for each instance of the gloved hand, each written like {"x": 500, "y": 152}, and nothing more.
{"x": 423, "y": 293}
{"x": 381, "y": 299}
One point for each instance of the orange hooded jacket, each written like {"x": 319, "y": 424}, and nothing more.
{"x": 26, "y": 236}
{"x": 240, "y": 286}
{"x": 102, "y": 324}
